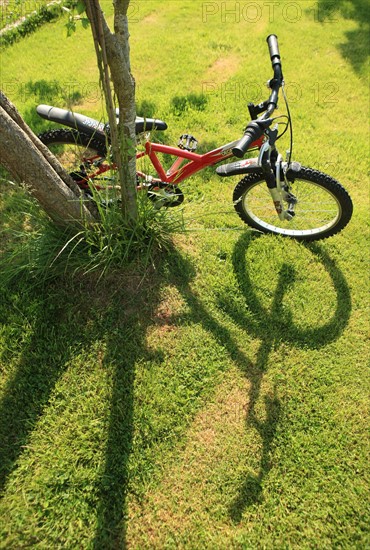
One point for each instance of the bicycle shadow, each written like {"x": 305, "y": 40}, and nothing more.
{"x": 272, "y": 328}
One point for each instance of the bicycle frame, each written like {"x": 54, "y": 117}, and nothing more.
{"x": 177, "y": 172}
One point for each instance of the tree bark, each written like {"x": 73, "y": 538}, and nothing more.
{"x": 29, "y": 161}
{"x": 113, "y": 51}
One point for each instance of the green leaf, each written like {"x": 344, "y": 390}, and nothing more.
{"x": 80, "y": 7}
{"x": 71, "y": 27}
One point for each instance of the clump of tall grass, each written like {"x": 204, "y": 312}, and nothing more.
{"x": 36, "y": 248}
{"x": 112, "y": 242}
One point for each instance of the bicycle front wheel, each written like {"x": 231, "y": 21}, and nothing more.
{"x": 323, "y": 206}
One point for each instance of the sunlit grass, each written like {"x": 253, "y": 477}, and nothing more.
{"x": 218, "y": 398}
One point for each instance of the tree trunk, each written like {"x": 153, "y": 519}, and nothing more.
{"x": 113, "y": 55}
{"x": 30, "y": 161}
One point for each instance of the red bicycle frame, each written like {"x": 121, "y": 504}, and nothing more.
{"x": 178, "y": 171}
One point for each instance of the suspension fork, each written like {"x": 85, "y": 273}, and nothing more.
{"x": 270, "y": 161}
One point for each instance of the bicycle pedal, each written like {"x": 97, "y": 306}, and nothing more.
{"x": 187, "y": 142}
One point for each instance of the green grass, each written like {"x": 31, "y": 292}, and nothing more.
{"x": 218, "y": 399}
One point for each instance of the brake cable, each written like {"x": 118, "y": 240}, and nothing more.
{"x": 290, "y": 125}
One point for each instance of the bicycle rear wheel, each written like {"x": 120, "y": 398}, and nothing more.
{"x": 323, "y": 206}
{"x": 80, "y": 155}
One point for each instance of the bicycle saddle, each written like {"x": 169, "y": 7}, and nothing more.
{"x": 91, "y": 126}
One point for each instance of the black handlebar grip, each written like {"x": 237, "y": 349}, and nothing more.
{"x": 252, "y": 132}
{"x": 243, "y": 145}
{"x": 273, "y": 48}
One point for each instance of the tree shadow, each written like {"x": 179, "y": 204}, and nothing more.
{"x": 181, "y": 104}
{"x": 51, "y": 92}
{"x": 125, "y": 345}
{"x": 63, "y": 319}
{"x": 126, "y": 315}
{"x": 146, "y": 109}
{"x": 356, "y": 49}
{"x": 41, "y": 363}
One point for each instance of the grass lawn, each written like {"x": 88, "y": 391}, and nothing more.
{"x": 220, "y": 398}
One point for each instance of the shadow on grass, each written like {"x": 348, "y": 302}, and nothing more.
{"x": 40, "y": 365}
{"x": 251, "y": 492}
{"x": 271, "y": 328}
{"x": 69, "y": 318}
{"x": 61, "y": 320}
{"x": 356, "y": 49}
{"x": 125, "y": 345}
{"x": 50, "y": 92}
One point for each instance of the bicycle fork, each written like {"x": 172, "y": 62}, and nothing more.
{"x": 273, "y": 169}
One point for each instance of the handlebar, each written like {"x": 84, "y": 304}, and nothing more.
{"x": 252, "y": 132}
{"x": 273, "y": 49}
{"x": 256, "y": 128}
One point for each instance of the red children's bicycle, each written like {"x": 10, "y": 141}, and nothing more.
{"x": 276, "y": 195}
